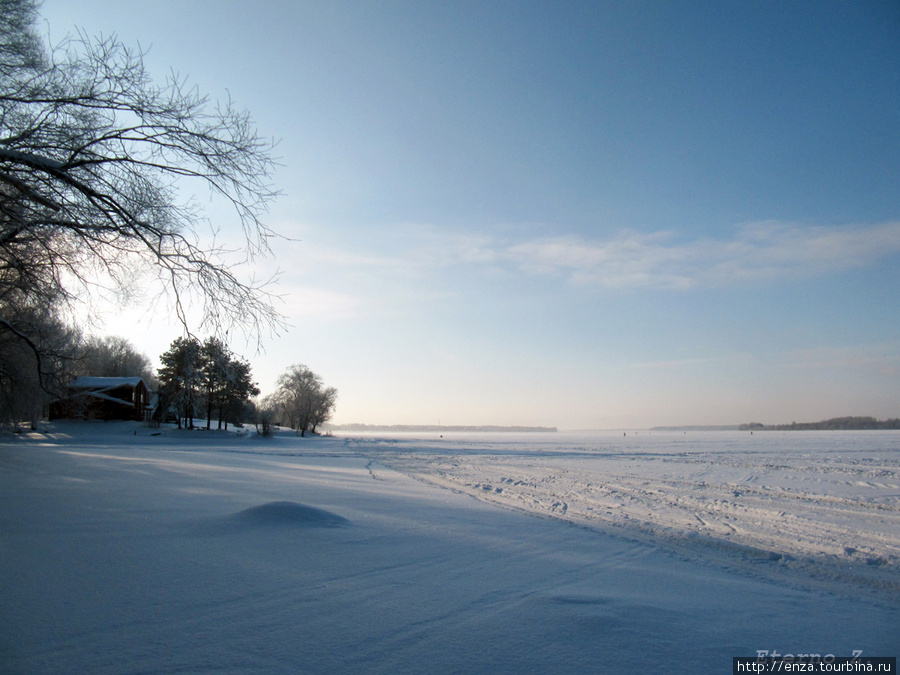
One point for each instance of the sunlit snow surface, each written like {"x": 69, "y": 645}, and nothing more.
{"x": 825, "y": 499}
{"x": 201, "y": 552}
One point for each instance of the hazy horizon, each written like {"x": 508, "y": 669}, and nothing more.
{"x": 596, "y": 215}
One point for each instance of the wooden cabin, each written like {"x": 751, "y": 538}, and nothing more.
{"x": 103, "y": 398}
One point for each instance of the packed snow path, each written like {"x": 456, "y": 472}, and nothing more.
{"x": 201, "y": 552}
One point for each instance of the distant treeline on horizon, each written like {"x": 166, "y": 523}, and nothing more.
{"x": 834, "y": 424}
{"x": 434, "y": 427}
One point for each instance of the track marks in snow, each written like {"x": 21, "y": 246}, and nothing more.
{"x": 842, "y": 508}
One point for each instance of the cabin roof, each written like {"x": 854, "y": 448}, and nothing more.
{"x": 89, "y": 382}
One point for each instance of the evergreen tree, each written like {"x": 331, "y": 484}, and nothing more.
{"x": 180, "y": 379}
{"x": 236, "y": 394}
{"x": 205, "y": 378}
{"x": 215, "y": 360}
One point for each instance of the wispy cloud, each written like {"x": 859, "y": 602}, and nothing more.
{"x": 374, "y": 273}
{"x": 758, "y": 252}
{"x": 401, "y": 250}
{"x": 299, "y": 302}
{"x": 415, "y": 264}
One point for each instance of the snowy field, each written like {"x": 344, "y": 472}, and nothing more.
{"x": 203, "y": 552}
{"x": 826, "y": 502}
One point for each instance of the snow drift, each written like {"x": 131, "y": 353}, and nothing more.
{"x": 287, "y": 514}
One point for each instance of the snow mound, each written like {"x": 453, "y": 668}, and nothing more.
{"x": 287, "y": 514}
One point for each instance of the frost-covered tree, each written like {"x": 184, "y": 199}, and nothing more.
{"x": 323, "y": 407}
{"x": 302, "y": 400}
{"x": 94, "y": 156}
{"x": 37, "y": 358}
{"x": 114, "y": 356}
{"x": 265, "y": 413}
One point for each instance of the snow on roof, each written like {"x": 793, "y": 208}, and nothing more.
{"x": 105, "y": 397}
{"x": 87, "y": 382}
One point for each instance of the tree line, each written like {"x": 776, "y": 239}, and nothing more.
{"x": 197, "y": 380}
{"x": 206, "y": 380}
{"x": 833, "y": 424}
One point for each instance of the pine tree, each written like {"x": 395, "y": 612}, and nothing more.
{"x": 180, "y": 379}
{"x": 236, "y": 394}
{"x": 215, "y": 360}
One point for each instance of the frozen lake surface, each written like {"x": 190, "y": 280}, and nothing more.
{"x": 827, "y": 502}
{"x": 201, "y": 552}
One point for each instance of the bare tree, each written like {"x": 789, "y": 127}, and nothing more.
{"x": 303, "y": 401}
{"x": 37, "y": 357}
{"x": 323, "y": 407}
{"x": 114, "y": 356}
{"x": 92, "y": 156}
{"x": 265, "y": 412}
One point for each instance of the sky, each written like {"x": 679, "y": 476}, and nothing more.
{"x": 562, "y": 213}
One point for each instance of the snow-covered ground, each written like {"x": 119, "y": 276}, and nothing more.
{"x": 203, "y": 552}
{"x": 826, "y": 502}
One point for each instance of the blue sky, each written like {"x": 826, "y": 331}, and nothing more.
{"x": 578, "y": 214}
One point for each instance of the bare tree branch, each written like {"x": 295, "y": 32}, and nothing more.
{"x": 93, "y": 158}
{"x": 92, "y": 154}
